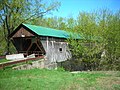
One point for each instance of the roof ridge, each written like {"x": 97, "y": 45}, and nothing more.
{"x": 43, "y": 27}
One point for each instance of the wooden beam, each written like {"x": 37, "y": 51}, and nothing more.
{"x": 47, "y": 43}
{"x": 39, "y": 48}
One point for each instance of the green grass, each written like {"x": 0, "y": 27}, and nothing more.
{"x": 3, "y": 60}
{"x": 42, "y": 79}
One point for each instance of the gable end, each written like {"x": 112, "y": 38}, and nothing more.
{"x": 22, "y": 31}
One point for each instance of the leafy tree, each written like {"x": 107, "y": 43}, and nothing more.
{"x": 111, "y": 42}
{"x": 14, "y": 12}
{"x": 99, "y": 45}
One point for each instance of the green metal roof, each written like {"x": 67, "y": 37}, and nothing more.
{"x": 43, "y": 31}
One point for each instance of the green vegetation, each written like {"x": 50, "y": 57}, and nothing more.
{"x": 42, "y": 79}
{"x": 100, "y": 47}
{"x": 3, "y": 60}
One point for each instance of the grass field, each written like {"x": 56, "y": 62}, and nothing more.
{"x": 3, "y": 60}
{"x": 42, "y": 79}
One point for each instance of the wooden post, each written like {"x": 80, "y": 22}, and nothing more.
{"x": 47, "y": 43}
{"x": 52, "y": 50}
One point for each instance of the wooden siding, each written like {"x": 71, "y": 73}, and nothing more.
{"x": 22, "y": 33}
{"x": 56, "y": 51}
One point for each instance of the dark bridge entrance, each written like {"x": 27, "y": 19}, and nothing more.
{"x": 28, "y": 45}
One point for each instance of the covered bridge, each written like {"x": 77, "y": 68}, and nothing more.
{"x": 31, "y": 39}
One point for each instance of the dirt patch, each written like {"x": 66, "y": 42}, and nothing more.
{"x": 108, "y": 82}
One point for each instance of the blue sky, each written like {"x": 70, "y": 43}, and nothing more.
{"x": 72, "y": 8}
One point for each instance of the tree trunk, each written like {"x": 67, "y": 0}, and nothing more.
{"x": 8, "y": 46}
{"x": 8, "y": 33}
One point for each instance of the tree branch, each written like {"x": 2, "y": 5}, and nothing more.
{"x": 41, "y": 13}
